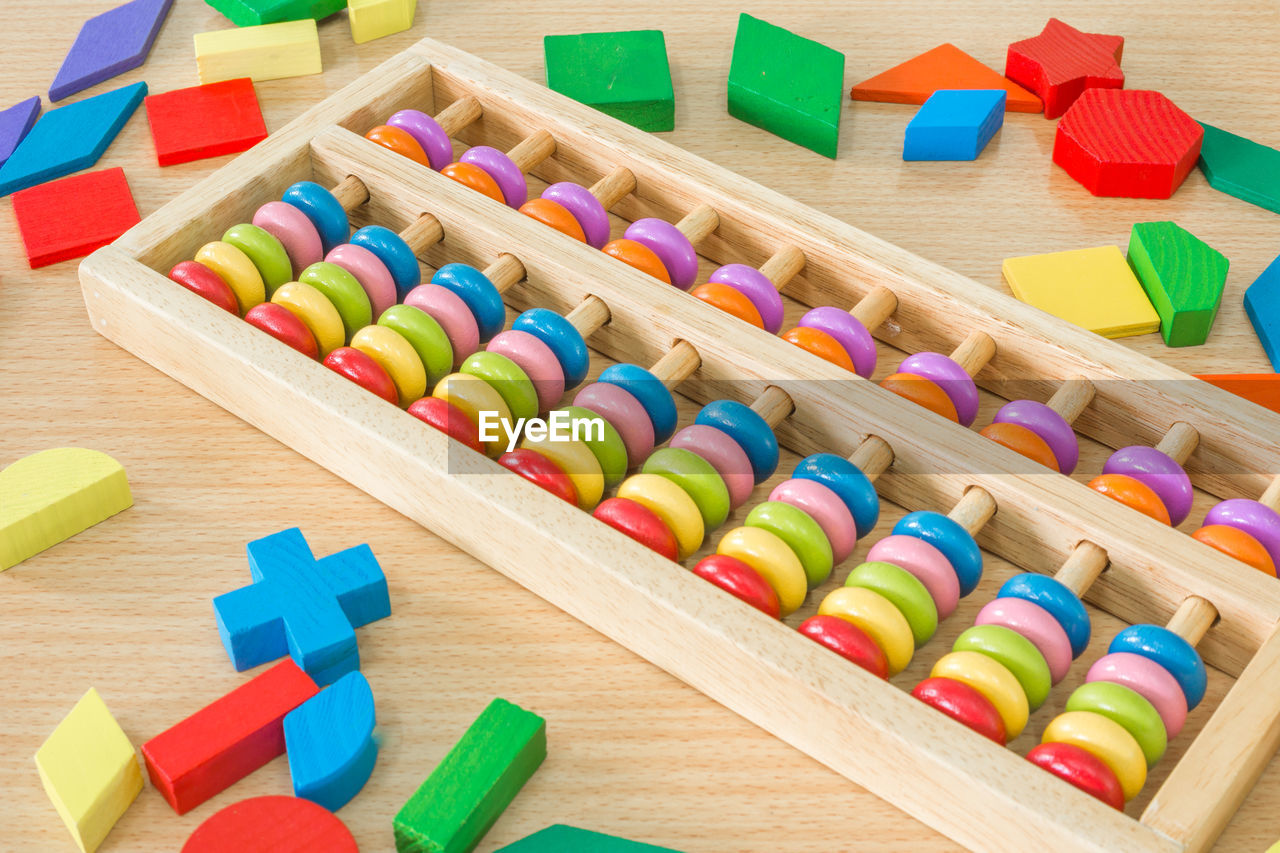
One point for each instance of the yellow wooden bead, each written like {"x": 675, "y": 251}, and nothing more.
{"x": 473, "y": 395}
{"x": 315, "y": 311}
{"x": 397, "y": 356}
{"x": 877, "y": 616}
{"x": 773, "y": 559}
{"x": 1106, "y": 739}
{"x": 670, "y": 503}
{"x": 237, "y": 270}
{"x": 575, "y": 459}
{"x": 994, "y": 681}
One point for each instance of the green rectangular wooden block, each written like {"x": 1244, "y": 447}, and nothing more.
{"x": 623, "y": 74}
{"x": 253, "y": 13}
{"x": 458, "y": 803}
{"x": 786, "y": 84}
{"x": 1183, "y": 277}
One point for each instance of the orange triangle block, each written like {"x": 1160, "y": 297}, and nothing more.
{"x": 944, "y": 67}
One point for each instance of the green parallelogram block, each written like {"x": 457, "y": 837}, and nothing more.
{"x": 559, "y": 838}
{"x": 453, "y": 809}
{"x": 1241, "y": 167}
{"x": 623, "y": 74}
{"x": 1183, "y": 277}
{"x": 786, "y": 84}
{"x": 252, "y": 13}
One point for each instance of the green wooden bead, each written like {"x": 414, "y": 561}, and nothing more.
{"x": 507, "y": 378}
{"x": 426, "y": 337}
{"x": 266, "y": 252}
{"x": 346, "y": 294}
{"x": 1127, "y": 707}
{"x": 610, "y": 450}
{"x": 1018, "y": 655}
{"x": 252, "y": 13}
{"x": 1183, "y": 277}
{"x": 696, "y": 476}
{"x": 623, "y": 74}
{"x": 802, "y": 534}
{"x": 904, "y": 591}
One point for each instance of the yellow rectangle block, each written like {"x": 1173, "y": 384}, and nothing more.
{"x": 268, "y": 52}
{"x": 1093, "y": 288}
{"x": 373, "y": 19}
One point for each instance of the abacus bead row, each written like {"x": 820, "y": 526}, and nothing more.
{"x": 1148, "y": 480}
{"x": 844, "y": 337}
{"x": 1042, "y": 431}
{"x": 1245, "y": 529}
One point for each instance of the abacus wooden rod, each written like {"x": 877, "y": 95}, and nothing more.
{"x": 677, "y": 365}
{"x": 1193, "y": 619}
{"x": 504, "y": 272}
{"x": 974, "y": 352}
{"x": 974, "y": 509}
{"x": 1086, "y": 563}
{"x": 1270, "y": 498}
{"x": 614, "y": 187}
{"x": 589, "y": 315}
{"x": 783, "y": 265}
{"x": 1072, "y": 398}
{"x": 419, "y": 235}
{"x": 699, "y": 223}
{"x": 1179, "y": 442}
{"x": 773, "y": 405}
{"x": 873, "y": 457}
{"x": 462, "y": 112}
{"x": 532, "y": 150}
{"x": 876, "y": 307}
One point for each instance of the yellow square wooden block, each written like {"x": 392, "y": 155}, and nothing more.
{"x": 373, "y": 19}
{"x": 268, "y": 52}
{"x": 1093, "y": 288}
{"x": 89, "y": 771}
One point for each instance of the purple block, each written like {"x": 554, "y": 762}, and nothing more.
{"x": 14, "y": 124}
{"x": 110, "y": 44}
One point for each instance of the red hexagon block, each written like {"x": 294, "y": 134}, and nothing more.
{"x": 1127, "y": 142}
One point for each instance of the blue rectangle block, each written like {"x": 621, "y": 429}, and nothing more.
{"x": 1262, "y": 304}
{"x": 954, "y": 124}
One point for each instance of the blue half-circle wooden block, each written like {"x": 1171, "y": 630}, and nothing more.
{"x": 330, "y": 742}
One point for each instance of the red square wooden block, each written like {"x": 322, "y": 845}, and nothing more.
{"x": 70, "y": 217}
{"x": 205, "y": 121}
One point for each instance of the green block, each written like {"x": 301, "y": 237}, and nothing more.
{"x": 787, "y": 85}
{"x": 1183, "y": 277}
{"x": 624, "y": 74}
{"x": 453, "y": 809}
{"x": 1241, "y": 167}
{"x": 251, "y": 13}
{"x": 569, "y": 839}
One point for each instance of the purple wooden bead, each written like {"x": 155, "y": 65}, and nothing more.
{"x": 1047, "y": 424}
{"x": 428, "y": 133}
{"x": 1155, "y": 469}
{"x": 754, "y": 285}
{"x": 672, "y": 248}
{"x": 1259, "y": 521}
{"x": 848, "y": 332}
{"x": 585, "y": 208}
{"x": 950, "y": 377}
{"x": 503, "y": 171}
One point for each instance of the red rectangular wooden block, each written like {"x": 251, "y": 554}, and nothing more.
{"x": 227, "y": 740}
{"x": 70, "y": 217}
{"x": 205, "y": 121}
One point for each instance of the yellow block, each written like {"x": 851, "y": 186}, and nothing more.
{"x": 89, "y": 771}
{"x": 373, "y": 19}
{"x": 54, "y": 494}
{"x": 1093, "y": 288}
{"x": 268, "y": 52}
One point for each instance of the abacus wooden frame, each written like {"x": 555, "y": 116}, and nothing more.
{"x": 869, "y": 731}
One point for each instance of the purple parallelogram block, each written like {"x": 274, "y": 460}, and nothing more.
{"x": 110, "y": 44}
{"x": 14, "y": 124}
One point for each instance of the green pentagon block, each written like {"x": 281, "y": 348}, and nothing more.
{"x": 559, "y": 838}
{"x": 1241, "y": 167}
{"x": 786, "y": 84}
{"x": 1183, "y": 277}
{"x": 251, "y": 13}
{"x": 624, "y": 74}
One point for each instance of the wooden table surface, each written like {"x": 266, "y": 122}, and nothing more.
{"x": 125, "y": 606}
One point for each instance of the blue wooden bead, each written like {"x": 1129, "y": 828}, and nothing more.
{"x": 330, "y": 742}
{"x": 324, "y": 211}
{"x": 1170, "y": 651}
{"x": 745, "y": 426}
{"x": 475, "y": 289}
{"x": 651, "y": 393}
{"x": 395, "y": 255}
{"x": 562, "y": 338}
{"x": 1063, "y": 604}
{"x": 846, "y": 480}
{"x": 951, "y": 539}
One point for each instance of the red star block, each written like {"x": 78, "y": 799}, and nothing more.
{"x": 1062, "y": 62}
{"x": 205, "y": 121}
{"x": 71, "y": 217}
{"x": 1127, "y": 142}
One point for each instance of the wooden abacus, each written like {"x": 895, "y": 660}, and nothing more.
{"x": 873, "y": 733}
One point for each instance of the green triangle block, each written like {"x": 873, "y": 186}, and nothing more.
{"x": 1183, "y": 277}
{"x": 253, "y": 13}
{"x": 1241, "y": 167}
{"x": 623, "y": 74}
{"x": 559, "y": 838}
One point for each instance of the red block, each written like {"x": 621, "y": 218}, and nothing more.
{"x": 272, "y": 825}
{"x": 71, "y": 217}
{"x": 227, "y": 740}
{"x": 205, "y": 121}
{"x": 1062, "y": 62}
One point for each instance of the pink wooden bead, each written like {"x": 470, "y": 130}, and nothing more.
{"x": 831, "y": 513}
{"x": 370, "y": 271}
{"x": 724, "y": 454}
{"x": 929, "y": 565}
{"x": 621, "y": 409}
{"x": 1147, "y": 678}
{"x": 295, "y": 232}
{"x": 1037, "y": 625}
{"x": 453, "y": 315}
{"x": 537, "y": 361}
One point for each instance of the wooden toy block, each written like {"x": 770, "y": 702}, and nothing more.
{"x": 205, "y": 121}
{"x": 373, "y": 19}
{"x": 226, "y": 740}
{"x": 1062, "y": 62}
{"x": 69, "y": 138}
{"x": 330, "y": 742}
{"x": 1127, "y": 142}
{"x": 1260, "y": 388}
{"x": 72, "y": 216}
{"x": 267, "y": 52}
{"x": 1232, "y": 164}
{"x": 272, "y": 825}
{"x": 1092, "y": 288}
{"x": 944, "y": 67}
{"x": 453, "y": 809}
{"x": 1183, "y": 277}
{"x": 89, "y": 770}
{"x": 302, "y": 607}
{"x": 558, "y": 838}
{"x": 53, "y": 495}
{"x": 954, "y": 124}
{"x": 786, "y": 84}
{"x": 253, "y": 13}
{"x": 624, "y": 74}
{"x": 15, "y": 123}
{"x": 112, "y": 43}
{"x": 1262, "y": 305}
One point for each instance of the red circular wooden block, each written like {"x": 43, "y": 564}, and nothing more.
{"x": 847, "y": 640}
{"x": 741, "y": 580}
{"x": 280, "y": 323}
{"x": 541, "y": 471}
{"x": 640, "y": 523}
{"x": 198, "y": 278}
{"x": 272, "y": 825}
{"x": 364, "y": 371}
{"x": 449, "y": 419}
{"x": 1081, "y": 768}
{"x": 963, "y": 704}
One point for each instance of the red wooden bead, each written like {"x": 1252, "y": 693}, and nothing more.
{"x": 540, "y": 470}
{"x": 199, "y": 279}
{"x": 640, "y": 523}
{"x": 280, "y": 323}
{"x": 737, "y": 578}
{"x": 963, "y": 704}
{"x": 1081, "y": 768}
{"x": 449, "y": 419}
{"x": 364, "y": 371}
{"x": 847, "y": 640}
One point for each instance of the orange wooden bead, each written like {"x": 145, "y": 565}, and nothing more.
{"x": 922, "y": 392}
{"x": 470, "y": 175}
{"x": 820, "y": 344}
{"x": 549, "y": 213}
{"x": 637, "y": 255}
{"x": 1019, "y": 439}
{"x": 730, "y": 300}
{"x": 1236, "y": 543}
{"x": 1132, "y": 493}
{"x": 398, "y": 141}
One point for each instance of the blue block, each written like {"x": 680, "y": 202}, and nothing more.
{"x": 69, "y": 138}
{"x": 1262, "y": 304}
{"x": 954, "y": 124}
{"x": 303, "y": 607}
{"x": 330, "y": 742}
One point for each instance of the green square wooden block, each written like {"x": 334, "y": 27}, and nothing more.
{"x": 1183, "y": 277}
{"x": 786, "y": 84}
{"x": 623, "y": 74}
{"x": 253, "y": 13}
